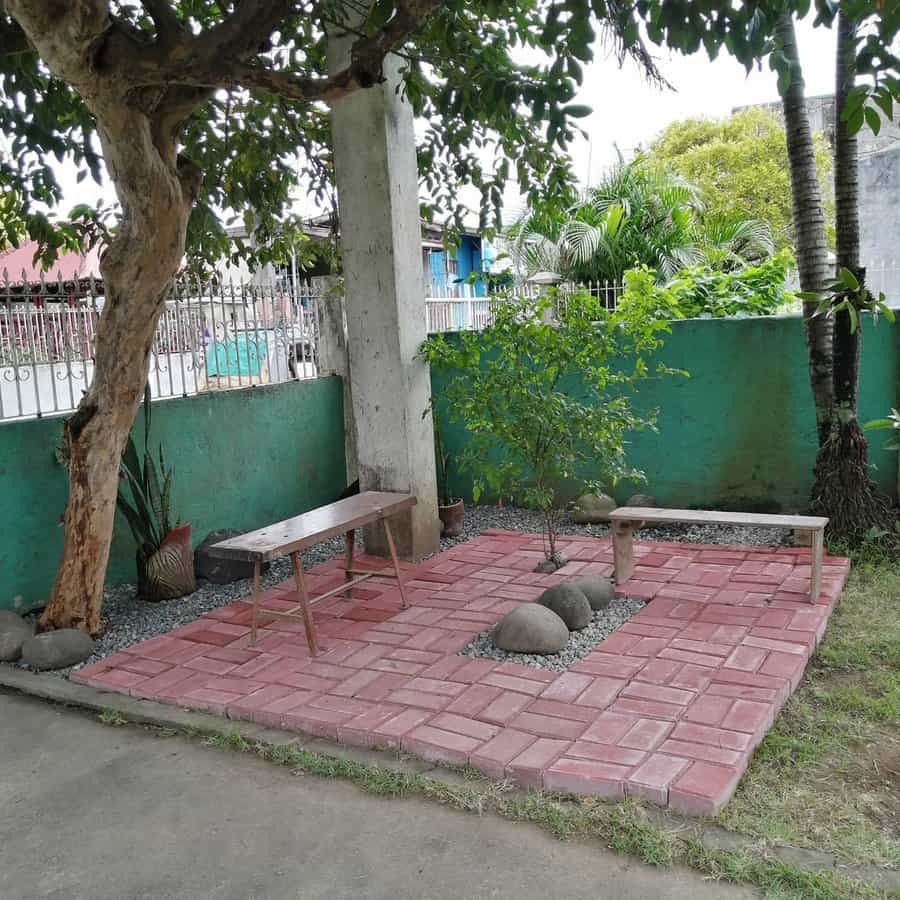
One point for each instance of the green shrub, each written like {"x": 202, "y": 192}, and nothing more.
{"x": 702, "y": 292}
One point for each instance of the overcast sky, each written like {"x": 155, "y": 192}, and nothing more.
{"x": 627, "y": 110}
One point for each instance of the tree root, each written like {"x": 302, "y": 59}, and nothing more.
{"x": 842, "y": 489}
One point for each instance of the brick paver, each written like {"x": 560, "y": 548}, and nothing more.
{"x": 669, "y": 708}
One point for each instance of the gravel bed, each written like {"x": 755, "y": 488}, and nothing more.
{"x": 513, "y": 518}
{"x": 603, "y": 623}
{"x": 129, "y": 621}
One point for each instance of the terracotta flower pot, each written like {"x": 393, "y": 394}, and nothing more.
{"x": 168, "y": 573}
{"x": 452, "y": 518}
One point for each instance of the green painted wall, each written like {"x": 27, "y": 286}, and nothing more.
{"x": 740, "y": 432}
{"x": 241, "y": 459}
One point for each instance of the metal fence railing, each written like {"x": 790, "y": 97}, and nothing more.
{"x": 211, "y": 336}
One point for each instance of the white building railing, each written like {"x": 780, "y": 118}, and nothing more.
{"x": 458, "y": 308}
{"x": 211, "y": 336}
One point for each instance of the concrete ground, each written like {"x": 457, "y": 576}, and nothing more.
{"x": 93, "y": 811}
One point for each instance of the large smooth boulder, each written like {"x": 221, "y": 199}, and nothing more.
{"x": 569, "y": 603}
{"x": 219, "y": 570}
{"x": 57, "y": 649}
{"x": 597, "y": 589}
{"x": 14, "y": 631}
{"x": 531, "y": 628}
{"x": 593, "y": 508}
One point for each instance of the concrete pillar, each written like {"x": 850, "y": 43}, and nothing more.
{"x": 332, "y": 357}
{"x": 377, "y": 185}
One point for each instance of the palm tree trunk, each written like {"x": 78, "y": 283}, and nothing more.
{"x": 809, "y": 227}
{"x": 843, "y": 490}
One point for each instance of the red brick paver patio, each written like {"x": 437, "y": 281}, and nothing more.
{"x": 668, "y": 708}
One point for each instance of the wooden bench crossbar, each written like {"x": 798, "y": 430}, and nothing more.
{"x": 625, "y": 519}
{"x": 289, "y": 537}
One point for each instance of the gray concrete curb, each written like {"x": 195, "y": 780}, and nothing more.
{"x": 161, "y": 715}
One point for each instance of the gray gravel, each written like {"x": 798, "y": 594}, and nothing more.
{"x": 512, "y": 518}
{"x": 603, "y": 623}
{"x": 129, "y": 621}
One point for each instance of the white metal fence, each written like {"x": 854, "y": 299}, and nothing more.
{"x": 459, "y": 308}
{"x": 211, "y": 336}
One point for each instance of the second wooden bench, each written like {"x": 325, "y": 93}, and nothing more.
{"x": 626, "y": 518}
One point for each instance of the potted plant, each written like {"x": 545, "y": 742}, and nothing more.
{"x": 164, "y": 557}
{"x": 451, "y": 510}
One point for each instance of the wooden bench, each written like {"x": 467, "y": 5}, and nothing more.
{"x": 626, "y": 518}
{"x": 289, "y": 537}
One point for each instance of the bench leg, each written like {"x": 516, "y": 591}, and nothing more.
{"x": 815, "y": 580}
{"x": 297, "y": 566}
{"x": 390, "y": 542}
{"x": 623, "y": 551}
{"x": 350, "y": 539}
{"x": 255, "y": 602}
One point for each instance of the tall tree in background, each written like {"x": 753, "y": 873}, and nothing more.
{"x": 740, "y": 166}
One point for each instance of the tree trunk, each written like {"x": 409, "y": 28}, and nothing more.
{"x": 843, "y": 490}
{"x": 809, "y": 227}
{"x": 156, "y": 191}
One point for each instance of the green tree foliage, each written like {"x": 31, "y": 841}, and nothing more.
{"x": 542, "y": 403}
{"x": 702, "y": 292}
{"x": 265, "y": 83}
{"x": 639, "y": 215}
{"x": 740, "y": 166}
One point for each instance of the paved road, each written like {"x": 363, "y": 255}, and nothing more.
{"x": 90, "y": 811}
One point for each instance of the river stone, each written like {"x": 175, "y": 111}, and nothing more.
{"x": 593, "y": 508}
{"x": 597, "y": 589}
{"x": 531, "y": 628}
{"x": 217, "y": 569}
{"x": 569, "y": 603}
{"x": 648, "y": 501}
{"x": 14, "y": 631}
{"x": 57, "y": 649}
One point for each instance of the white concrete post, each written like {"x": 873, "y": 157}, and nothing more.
{"x": 332, "y": 356}
{"x": 377, "y": 184}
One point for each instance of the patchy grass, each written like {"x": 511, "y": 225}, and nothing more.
{"x": 623, "y": 827}
{"x": 112, "y": 717}
{"x": 828, "y": 774}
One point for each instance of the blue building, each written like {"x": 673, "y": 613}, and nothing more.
{"x": 449, "y": 271}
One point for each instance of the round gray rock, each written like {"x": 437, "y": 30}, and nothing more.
{"x": 531, "y": 628}
{"x": 593, "y": 508}
{"x": 597, "y": 589}
{"x": 57, "y": 649}
{"x": 14, "y": 631}
{"x": 219, "y": 570}
{"x": 569, "y": 603}
{"x": 648, "y": 501}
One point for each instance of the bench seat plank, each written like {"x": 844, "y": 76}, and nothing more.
{"x": 311, "y": 527}
{"x": 625, "y": 519}
{"x": 715, "y": 517}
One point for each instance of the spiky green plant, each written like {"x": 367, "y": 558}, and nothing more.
{"x": 148, "y": 511}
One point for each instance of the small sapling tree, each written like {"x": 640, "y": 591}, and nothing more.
{"x": 547, "y": 404}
